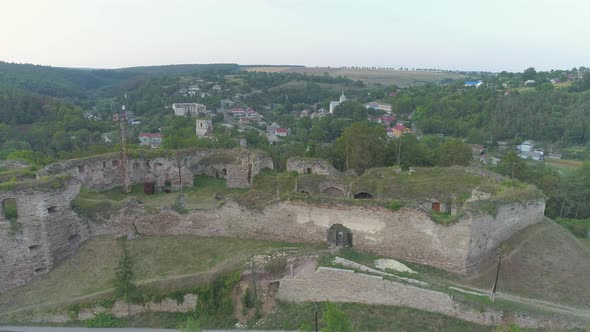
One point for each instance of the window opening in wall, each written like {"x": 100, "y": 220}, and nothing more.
{"x": 34, "y": 247}
{"x": 308, "y": 170}
{"x": 52, "y": 209}
{"x": 40, "y": 270}
{"x": 224, "y": 172}
{"x": 217, "y": 175}
{"x": 104, "y": 164}
{"x": 10, "y": 209}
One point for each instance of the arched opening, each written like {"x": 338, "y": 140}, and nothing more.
{"x": 148, "y": 187}
{"x": 216, "y": 175}
{"x": 308, "y": 170}
{"x": 340, "y": 235}
{"x": 363, "y": 195}
{"x": 224, "y": 172}
{"x": 333, "y": 192}
{"x": 52, "y": 209}
{"x": 167, "y": 186}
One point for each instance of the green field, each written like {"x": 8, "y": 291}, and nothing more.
{"x": 401, "y": 78}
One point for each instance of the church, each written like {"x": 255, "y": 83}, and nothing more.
{"x": 334, "y": 103}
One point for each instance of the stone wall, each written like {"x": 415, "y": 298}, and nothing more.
{"x": 100, "y": 173}
{"x": 310, "y": 166}
{"x": 487, "y": 232}
{"x": 407, "y": 234}
{"x": 45, "y": 233}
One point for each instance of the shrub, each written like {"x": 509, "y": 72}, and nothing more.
{"x": 394, "y": 205}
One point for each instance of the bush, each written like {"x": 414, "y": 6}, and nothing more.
{"x": 190, "y": 325}
{"x": 248, "y": 300}
{"x": 394, "y": 205}
{"x": 104, "y": 320}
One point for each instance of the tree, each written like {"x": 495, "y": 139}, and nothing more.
{"x": 125, "y": 289}
{"x": 360, "y": 147}
{"x": 512, "y": 165}
{"x": 336, "y": 320}
{"x": 453, "y": 152}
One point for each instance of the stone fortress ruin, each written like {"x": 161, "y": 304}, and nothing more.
{"x": 48, "y": 230}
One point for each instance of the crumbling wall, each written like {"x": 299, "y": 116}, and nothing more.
{"x": 45, "y": 233}
{"x": 310, "y": 166}
{"x": 166, "y": 171}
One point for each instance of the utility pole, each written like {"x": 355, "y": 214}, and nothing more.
{"x": 493, "y": 293}
{"x": 121, "y": 118}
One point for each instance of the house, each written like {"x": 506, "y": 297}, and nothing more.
{"x": 204, "y": 128}
{"x": 487, "y": 160}
{"x": 193, "y": 90}
{"x": 319, "y": 113}
{"x": 333, "y": 104}
{"x": 304, "y": 113}
{"x": 386, "y": 120}
{"x": 525, "y": 146}
{"x": 188, "y": 109}
{"x": 271, "y": 128}
{"x": 150, "y": 139}
{"x": 399, "y": 129}
{"x": 216, "y": 87}
{"x": 534, "y": 155}
{"x": 529, "y": 83}
{"x": 379, "y": 106}
{"x": 282, "y": 132}
{"x": 476, "y": 84}
{"x": 477, "y": 149}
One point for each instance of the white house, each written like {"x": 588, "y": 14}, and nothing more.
{"x": 150, "y": 139}
{"x": 188, "y": 109}
{"x": 333, "y": 104}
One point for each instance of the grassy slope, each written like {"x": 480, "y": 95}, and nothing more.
{"x": 543, "y": 261}
{"x": 91, "y": 269}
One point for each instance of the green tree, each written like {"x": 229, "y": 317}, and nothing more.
{"x": 453, "y": 152}
{"x": 512, "y": 165}
{"x": 191, "y": 325}
{"x": 360, "y": 147}
{"x": 336, "y": 320}
{"x": 125, "y": 288}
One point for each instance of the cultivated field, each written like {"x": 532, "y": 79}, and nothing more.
{"x": 401, "y": 78}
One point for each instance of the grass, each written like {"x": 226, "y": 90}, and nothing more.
{"x": 290, "y": 316}
{"x": 564, "y": 163}
{"x": 91, "y": 269}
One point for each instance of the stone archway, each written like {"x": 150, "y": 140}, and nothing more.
{"x": 363, "y": 195}
{"x": 340, "y": 235}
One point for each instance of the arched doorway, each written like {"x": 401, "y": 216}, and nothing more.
{"x": 340, "y": 235}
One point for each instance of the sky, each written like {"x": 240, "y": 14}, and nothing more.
{"x": 490, "y": 35}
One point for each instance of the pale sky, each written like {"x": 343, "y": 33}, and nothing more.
{"x": 489, "y": 35}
